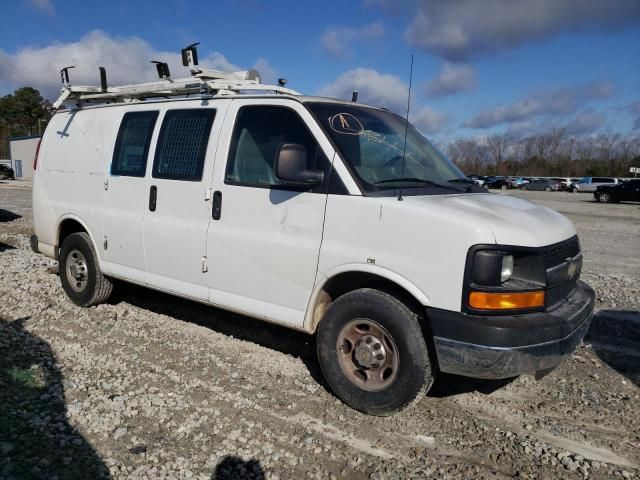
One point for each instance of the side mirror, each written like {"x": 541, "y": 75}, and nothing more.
{"x": 291, "y": 166}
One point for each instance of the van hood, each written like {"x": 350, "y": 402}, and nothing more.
{"x": 513, "y": 221}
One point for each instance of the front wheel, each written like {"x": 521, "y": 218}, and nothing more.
{"x": 548, "y": 189}
{"x": 80, "y": 273}
{"x": 604, "y": 197}
{"x": 372, "y": 352}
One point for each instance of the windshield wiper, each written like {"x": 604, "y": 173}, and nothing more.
{"x": 471, "y": 185}
{"x": 461, "y": 180}
{"x": 415, "y": 180}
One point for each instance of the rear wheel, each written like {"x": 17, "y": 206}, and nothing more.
{"x": 504, "y": 187}
{"x": 604, "y": 197}
{"x": 80, "y": 273}
{"x": 372, "y": 352}
{"x": 547, "y": 189}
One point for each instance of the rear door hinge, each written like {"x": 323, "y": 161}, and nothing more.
{"x": 106, "y": 184}
{"x": 105, "y": 243}
{"x": 205, "y": 265}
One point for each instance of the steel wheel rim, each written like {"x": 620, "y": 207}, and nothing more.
{"x": 77, "y": 271}
{"x": 604, "y": 197}
{"x": 367, "y": 354}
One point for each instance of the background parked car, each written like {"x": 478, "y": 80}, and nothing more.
{"x": 544, "y": 184}
{"x": 590, "y": 184}
{"x": 518, "y": 182}
{"x": 6, "y": 172}
{"x": 626, "y": 191}
{"x": 567, "y": 183}
{"x": 498, "y": 182}
{"x": 478, "y": 179}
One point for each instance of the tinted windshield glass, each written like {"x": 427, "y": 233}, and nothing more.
{"x": 372, "y": 142}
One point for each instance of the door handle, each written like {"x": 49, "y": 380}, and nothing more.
{"x": 153, "y": 197}
{"x": 216, "y": 209}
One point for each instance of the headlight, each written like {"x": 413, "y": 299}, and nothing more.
{"x": 504, "y": 279}
{"x": 507, "y": 268}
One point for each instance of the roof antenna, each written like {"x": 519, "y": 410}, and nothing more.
{"x": 406, "y": 125}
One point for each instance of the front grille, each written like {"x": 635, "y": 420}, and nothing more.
{"x": 553, "y": 256}
{"x": 557, "y": 253}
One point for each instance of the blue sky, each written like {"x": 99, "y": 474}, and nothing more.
{"x": 519, "y": 66}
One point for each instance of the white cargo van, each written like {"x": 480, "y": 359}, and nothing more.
{"x": 310, "y": 213}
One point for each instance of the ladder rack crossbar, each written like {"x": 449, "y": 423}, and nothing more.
{"x": 203, "y": 81}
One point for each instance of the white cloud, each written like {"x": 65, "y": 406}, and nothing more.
{"x": 428, "y": 120}
{"x": 384, "y": 90}
{"x": 373, "y": 88}
{"x": 268, "y": 73}
{"x": 458, "y": 30}
{"x": 337, "y": 41}
{"x": 452, "y": 79}
{"x": 557, "y": 102}
{"x": 127, "y": 60}
{"x": 586, "y": 122}
{"x": 634, "y": 108}
{"x": 44, "y": 6}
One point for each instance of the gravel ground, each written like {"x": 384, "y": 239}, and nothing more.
{"x": 151, "y": 386}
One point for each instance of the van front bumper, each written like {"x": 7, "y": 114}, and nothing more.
{"x": 510, "y": 345}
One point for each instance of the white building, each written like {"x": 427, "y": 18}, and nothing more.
{"x": 22, "y": 151}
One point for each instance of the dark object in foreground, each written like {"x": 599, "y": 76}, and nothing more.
{"x": 31, "y": 387}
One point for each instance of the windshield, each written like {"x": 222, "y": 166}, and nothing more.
{"x": 372, "y": 142}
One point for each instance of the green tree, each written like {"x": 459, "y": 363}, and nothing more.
{"x": 23, "y": 112}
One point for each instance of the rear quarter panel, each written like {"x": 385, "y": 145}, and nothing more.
{"x": 69, "y": 180}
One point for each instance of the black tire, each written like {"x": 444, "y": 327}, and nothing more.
{"x": 604, "y": 197}
{"x": 94, "y": 288}
{"x": 413, "y": 374}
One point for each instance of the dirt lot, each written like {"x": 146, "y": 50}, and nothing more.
{"x": 152, "y": 386}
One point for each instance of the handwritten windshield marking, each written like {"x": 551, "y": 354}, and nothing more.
{"x": 346, "y": 123}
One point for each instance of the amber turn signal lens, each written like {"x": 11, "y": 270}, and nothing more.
{"x": 505, "y": 301}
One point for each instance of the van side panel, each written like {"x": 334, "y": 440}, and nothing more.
{"x": 69, "y": 181}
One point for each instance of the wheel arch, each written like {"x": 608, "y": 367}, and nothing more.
{"x": 348, "y": 278}
{"x": 69, "y": 224}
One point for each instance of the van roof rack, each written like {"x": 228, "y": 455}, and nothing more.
{"x": 202, "y": 81}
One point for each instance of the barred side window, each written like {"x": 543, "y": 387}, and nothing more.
{"x": 182, "y": 144}
{"x": 132, "y": 144}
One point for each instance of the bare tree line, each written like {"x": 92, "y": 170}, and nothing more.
{"x": 553, "y": 153}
